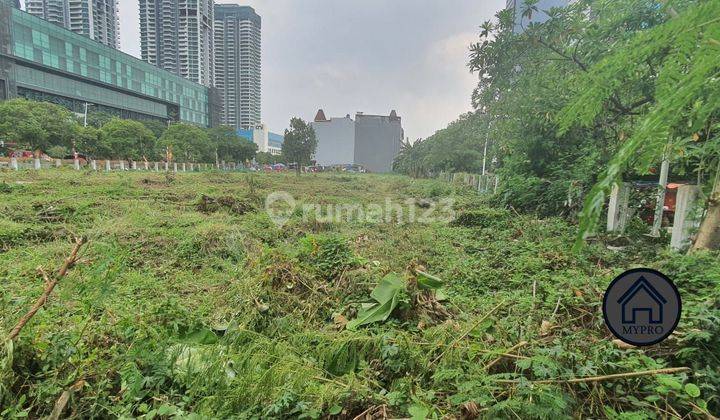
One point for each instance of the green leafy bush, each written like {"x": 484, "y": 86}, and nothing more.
{"x": 328, "y": 255}
{"x": 483, "y": 217}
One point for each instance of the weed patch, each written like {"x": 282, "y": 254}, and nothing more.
{"x": 208, "y": 204}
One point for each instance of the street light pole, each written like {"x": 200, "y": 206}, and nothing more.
{"x": 86, "y": 113}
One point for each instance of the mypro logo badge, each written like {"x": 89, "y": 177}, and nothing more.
{"x": 642, "y": 307}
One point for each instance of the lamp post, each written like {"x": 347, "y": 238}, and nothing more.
{"x": 87, "y": 105}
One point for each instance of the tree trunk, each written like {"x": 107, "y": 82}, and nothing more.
{"x": 709, "y": 234}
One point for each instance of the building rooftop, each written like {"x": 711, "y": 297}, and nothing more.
{"x": 240, "y": 12}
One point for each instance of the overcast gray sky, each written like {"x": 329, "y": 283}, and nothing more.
{"x": 372, "y": 56}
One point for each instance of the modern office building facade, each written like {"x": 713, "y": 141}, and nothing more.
{"x": 539, "y": 16}
{"x": 96, "y": 19}
{"x": 177, "y": 36}
{"x": 266, "y": 141}
{"x": 238, "y": 64}
{"x": 43, "y": 61}
{"x": 372, "y": 141}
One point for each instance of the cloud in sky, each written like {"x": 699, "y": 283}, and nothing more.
{"x": 372, "y": 56}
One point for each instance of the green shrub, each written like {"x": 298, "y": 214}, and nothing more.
{"x": 483, "y": 217}
{"x": 328, "y": 255}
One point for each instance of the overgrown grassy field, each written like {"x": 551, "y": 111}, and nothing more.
{"x": 189, "y": 302}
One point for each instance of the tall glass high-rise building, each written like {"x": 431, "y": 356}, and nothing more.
{"x": 238, "y": 67}
{"x": 96, "y": 19}
{"x": 177, "y": 35}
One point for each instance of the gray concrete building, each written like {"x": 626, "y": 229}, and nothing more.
{"x": 377, "y": 140}
{"x": 522, "y": 22}
{"x": 372, "y": 141}
{"x": 177, "y": 36}
{"x": 238, "y": 64}
{"x": 336, "y": 140}
{"x": 96, "y": 19}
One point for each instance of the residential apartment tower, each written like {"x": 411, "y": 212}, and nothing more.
{"x": 96, "y": 19}
{"x": 238, "y": 65}
{"x": 177, "y": 36}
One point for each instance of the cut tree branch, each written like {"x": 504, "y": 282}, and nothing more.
{"x": 509, "y": 351}
{"x": 601, "y": 378}
{"x": 49, "y": 286}
{"x": 457, "y": 340}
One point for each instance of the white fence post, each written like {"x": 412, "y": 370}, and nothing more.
{"x": 192, "y": 167}
{"x": 93, "y": 165}
{"x": 108, "y": 165}
{"x": 58, "y": 163}
{"x": 183, "y": 167}
{"x": 618, "y": 208}
{"x": 157, "y": 167}
{"x": 684, "y": 221}
{"x": 174, "y": 166}
{"x": 76, "y": 164}
{"x": 167, "y": 166}
{"x": 660, "y": 204}
{"x": 147, "y": 165}
{"x": 14, "y": 163}
{"x": 122, "y": 165}
{"x": 133, "y": 165}
{"x": 36, "y": 164}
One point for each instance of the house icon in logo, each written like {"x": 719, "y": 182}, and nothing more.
{"x": 642, "y": 297}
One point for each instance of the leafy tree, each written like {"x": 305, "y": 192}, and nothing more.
{"x": 126, "y": 139}
{"x": 300, "y": 143}
{"x": 188, "y": 143}
{"x": 545, "y": 78}
{"x": 524, "y": 80}
{"x": 457, "y": 148}
{"x": 97, "y": 119}
{"x": 673, "y": 67}
{"x": 230, "y": 146}
{"x": 37, "y": 125}
{"x": 157, "y": 127}
{"x": 245, "y": 150}
{"x": 88, "y": 142}
{"x": 57, "y": 152}
{"x": 267, "y": 158}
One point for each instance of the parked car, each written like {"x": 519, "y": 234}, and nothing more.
{"x": 354, "y": 169}
{"x": 22, "y": 154}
